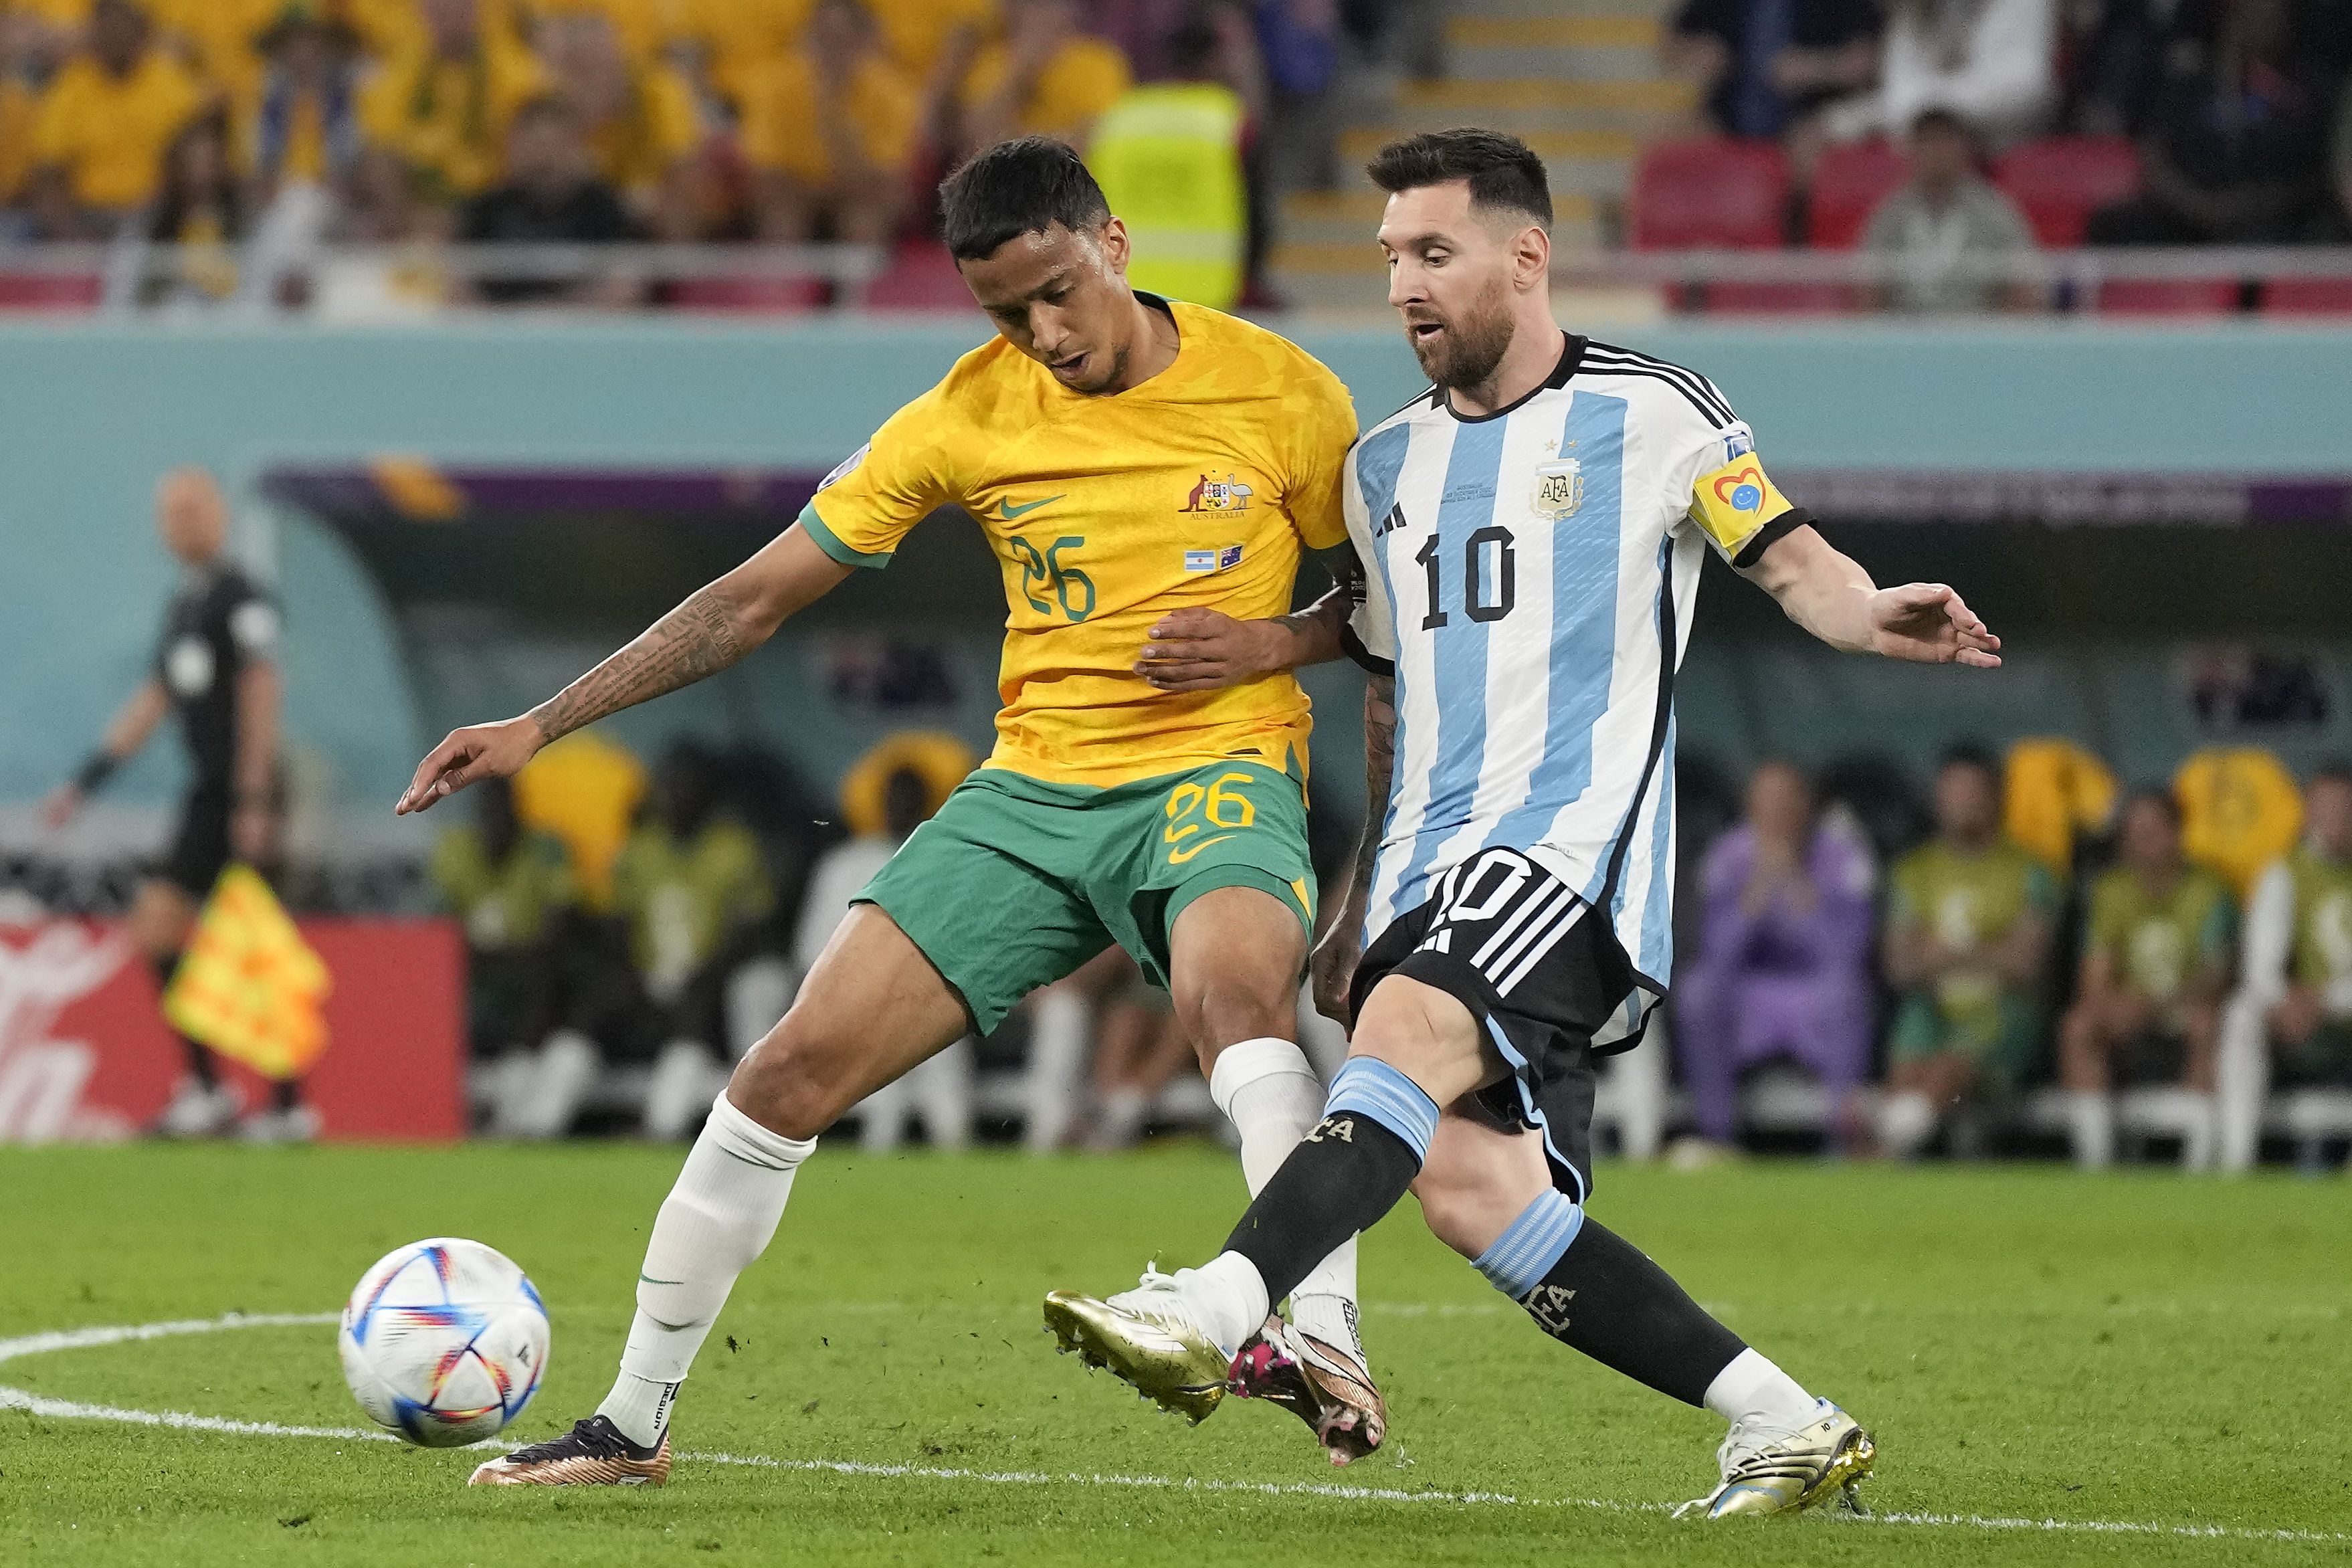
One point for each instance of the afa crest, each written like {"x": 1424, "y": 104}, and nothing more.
{"x": 1228, "y": 494}
{"x": 1560, "y": 488}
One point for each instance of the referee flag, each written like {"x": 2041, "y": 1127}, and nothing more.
{"x": 249, "y": 986}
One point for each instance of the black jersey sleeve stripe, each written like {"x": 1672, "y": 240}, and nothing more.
{"x": 1698, "y": 383}
{"x": 1689, "y": 396}
{"x": 1771, "y": 533}
{"x": 1697, "y": 387}
{"x": 1353, "y": 646}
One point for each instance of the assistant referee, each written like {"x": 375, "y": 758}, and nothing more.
{"x": 216, "y": 666}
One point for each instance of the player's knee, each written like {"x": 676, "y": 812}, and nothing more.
{"x": 783, "y": 1083}
{"x": 1451, "y": 1208}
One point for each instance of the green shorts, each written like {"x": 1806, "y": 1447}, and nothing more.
{"x": 2003, "y": 1039}
{"x": 1016, "y": 882}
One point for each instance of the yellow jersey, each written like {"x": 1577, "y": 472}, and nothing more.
{"x": 1105, "y": 513}
{"x": 109, "y": 132}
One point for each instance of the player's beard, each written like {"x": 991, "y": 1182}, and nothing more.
{"x": 1466, "y": 354}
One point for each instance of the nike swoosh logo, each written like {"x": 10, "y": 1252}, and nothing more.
{"x": 1012, "y": 512}
{"x": 1178, "y": 856}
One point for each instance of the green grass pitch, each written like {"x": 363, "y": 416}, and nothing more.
{"x": 2139, "y": 1351}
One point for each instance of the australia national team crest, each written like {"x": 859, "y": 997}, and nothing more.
{"x": 1560, "y": 488}
{"x": 1228, "y": 494}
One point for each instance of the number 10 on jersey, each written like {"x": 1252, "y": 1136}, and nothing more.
{"x": 1490, "y": 576}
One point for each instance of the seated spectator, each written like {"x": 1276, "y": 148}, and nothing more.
{"x": 1991, "y": 62}
{"x": 551, "y": 196}
{"x": 303, "y": 128}
{"x": 217, "y": 40}
{"x": 1946, "y": 228}
{"x": 2234, "y": 152}
{"x": 939, "y": 1090}
{"x": 830, "y": 132}
{"x": 1046, "y": 78}
{"x": 1968, "y": 923}
{"x": 724, "y": 45}
{"x": 513, "y": 891}
{"x": 443, "y": 104}
{"x": 638, "y": 115}
{"x": 104, "y": 123}
{"x": 2299, "y": 943}
{"x": 692, "y": 897}
{"x": 2156, "y": 956}
{"x": 1762, "y": 67}
{"x": 202, "y": 208}
{"x": 1783, "y": 967}
{"x": 1169, "y": 157}
{"x": 28, "y": 58}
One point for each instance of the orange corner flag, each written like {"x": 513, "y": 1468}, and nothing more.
{"x": 249, "y": 986}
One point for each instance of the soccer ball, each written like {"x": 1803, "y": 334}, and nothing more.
{"x": 444, "y": 1342}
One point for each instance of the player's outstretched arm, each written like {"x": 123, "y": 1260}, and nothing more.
{"x": 1829, "y": 594}
{"x": 716, "y": 625}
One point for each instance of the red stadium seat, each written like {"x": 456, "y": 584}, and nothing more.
{"x": 1716, "y": 195}
{"x": 2169, "y": 297}
{"x": 48, "y": 292}
{"x": 2060, "y": 182}
{"x": 920, "y": 277}
{"x": 749, "y": 295}
{"x": 1848, "y": 186}
{"x": 2308, "y": 297}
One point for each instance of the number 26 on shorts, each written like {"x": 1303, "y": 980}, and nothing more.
{"x": 1192, "y": 810}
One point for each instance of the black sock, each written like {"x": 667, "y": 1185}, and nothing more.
{"x": 1606, "y": 1299}
{"x": 1343, "y": 1177}
{"x": 200, "y": 1060}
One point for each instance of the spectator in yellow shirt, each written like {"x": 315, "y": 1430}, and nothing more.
{"x": 101, "y": 126}
{"x": 442, "y": 107}
{"x": 640, "y": 116}
{"x": 830, "y": 131}
{"x": 219, "y": 39}
{"x": 731, "y": 42}
{"x": 918, "y": 34}
{"x": 1045, "y": 79}
{"x": 24, "y": 65}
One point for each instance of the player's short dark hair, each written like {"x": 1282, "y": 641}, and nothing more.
{"x": 1503, "y": 172}
{"x": 1971, "y": 754}
{"x": 1023, "y": 186}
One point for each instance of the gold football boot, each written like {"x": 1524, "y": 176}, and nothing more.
{"x": 1146, "y": 1337}
{"x": 1770, "y": 1469}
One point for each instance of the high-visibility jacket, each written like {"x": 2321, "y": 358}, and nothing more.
{"x": 1169, "y": 157}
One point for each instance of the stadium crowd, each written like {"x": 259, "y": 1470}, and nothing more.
{"x": 246, "y": 129}
{"x": 1949, "y": 139}
{"x": 1926, "y": 966}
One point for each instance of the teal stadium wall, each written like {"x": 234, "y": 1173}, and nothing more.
{"x": 90, "y": 413}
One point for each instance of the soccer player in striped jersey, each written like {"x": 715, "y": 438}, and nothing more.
{"x": 1531, "y": 530}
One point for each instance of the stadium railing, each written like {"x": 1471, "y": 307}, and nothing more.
{"x": 420, "y": 278}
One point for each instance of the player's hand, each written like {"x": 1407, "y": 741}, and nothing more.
{"x": 479, "y": 751}
{"x": 1333, "y": 968}
{"x": 1201, "y": 650}
{"x": 1926, "y": 623}
{"x": 60, "y": 806}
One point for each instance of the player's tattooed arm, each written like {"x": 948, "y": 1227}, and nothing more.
{"x": 716, "y": 625}
{"x": 1336, "y": 954}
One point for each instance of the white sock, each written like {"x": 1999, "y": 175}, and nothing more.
{"x": 1061, "y": 1038}
{"x": 2093, "y": 1117}
{"x": 1228, "y": 1296}
{"x": 1905, "y": 1123}
{"x": 1752, "y": 1389}
{"x": 1274, "y": 1098}
{"x": 716, "y": 1220}
{"x": 1120, "y": 1118}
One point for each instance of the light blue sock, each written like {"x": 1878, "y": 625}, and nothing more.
{"x": 1371, "y": 1087}
{"x": 1532, "y": 1245}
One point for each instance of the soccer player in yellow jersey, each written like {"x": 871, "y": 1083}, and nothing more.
{"x": 1147, "y": 474}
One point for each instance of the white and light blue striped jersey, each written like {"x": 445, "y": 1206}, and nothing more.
{"x": 1529, "y": 580}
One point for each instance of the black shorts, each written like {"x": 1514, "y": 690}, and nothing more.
{"x": 1512, "y": 943}
{"x": 200, "y": 846}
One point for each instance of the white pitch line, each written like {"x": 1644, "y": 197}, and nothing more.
{"x": 85, "y": 1339}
